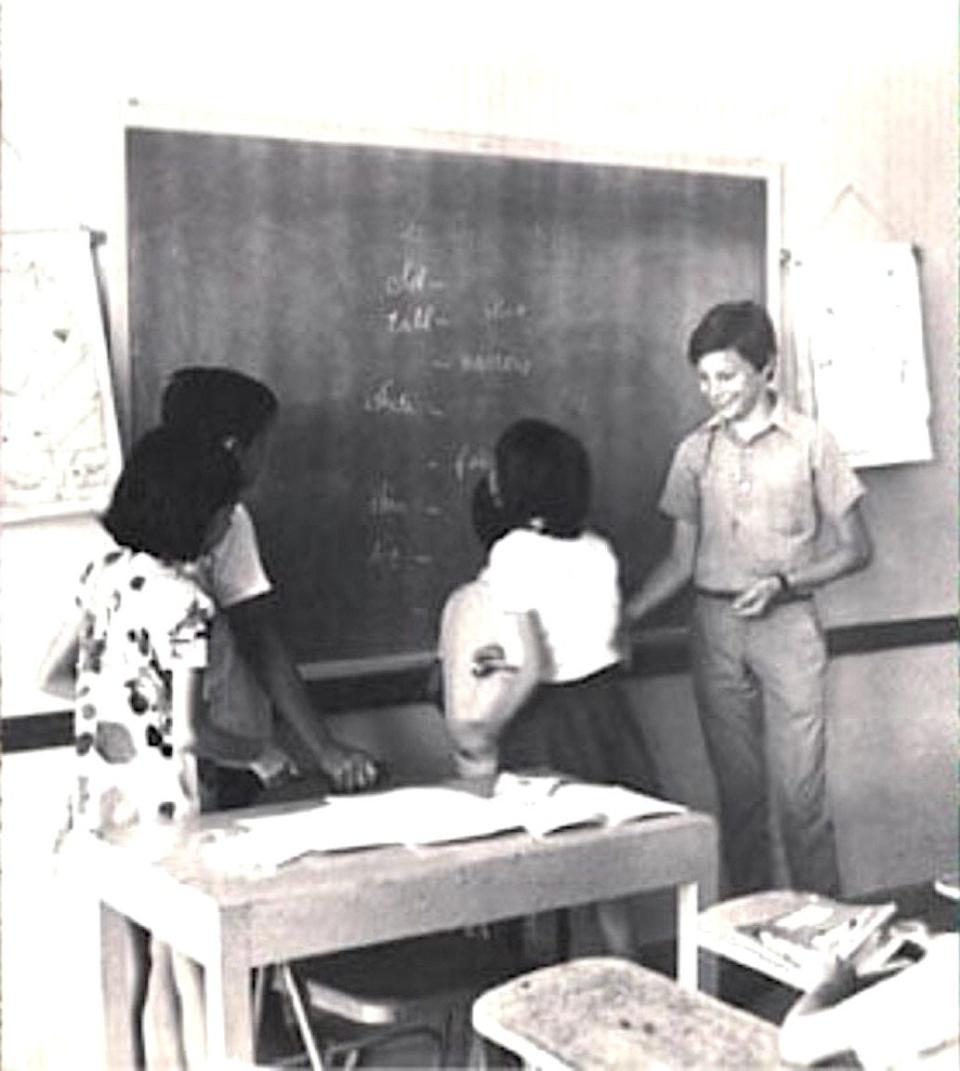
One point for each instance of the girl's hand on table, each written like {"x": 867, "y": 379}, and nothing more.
{"x": 350, "y": 769}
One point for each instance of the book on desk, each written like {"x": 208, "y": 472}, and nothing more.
{"x": 798, "y": 938}
{"x": 821, "y": 933}
{"x": 419, "y": 816}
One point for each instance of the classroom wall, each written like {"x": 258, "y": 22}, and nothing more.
{"x": 843, "y": 92}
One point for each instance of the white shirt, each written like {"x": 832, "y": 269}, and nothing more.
{"x": 240, "y": 716}
{"x": 572, "y": 584}
{"x": 473, "y": 619}
{"x": 232, "y": 572}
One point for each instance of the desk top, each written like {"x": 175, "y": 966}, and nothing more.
{"x": 606, "y": 1014}
{"x": 350, "y": 899}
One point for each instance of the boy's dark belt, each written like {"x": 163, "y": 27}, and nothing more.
{"x": 729, "y": 596}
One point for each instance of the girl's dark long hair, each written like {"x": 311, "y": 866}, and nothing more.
{"x": 168, "y": 493}
{"x": 543, "y": 471}
{"x": 217, "y": 403}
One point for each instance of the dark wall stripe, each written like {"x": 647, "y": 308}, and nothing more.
{"x": 653, "y": 655}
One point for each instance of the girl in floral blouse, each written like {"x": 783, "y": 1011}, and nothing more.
{"x": 143, "y": 633}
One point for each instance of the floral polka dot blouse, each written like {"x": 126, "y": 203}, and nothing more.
{"x": 143, "y": 620}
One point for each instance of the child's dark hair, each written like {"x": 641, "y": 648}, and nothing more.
{"x": 168, "y": 493}
{"x": 743, "y": 326}
{"x": 543, "y": 471}
{"x": 216, "y": 404}
{"x": 489, "y": 523}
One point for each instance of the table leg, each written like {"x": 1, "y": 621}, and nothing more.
{"x": 687, "y": 909}
{"x": 229, "y": 1010}
{"x": 122, "y": 975}
{"x": 695, "y": 968}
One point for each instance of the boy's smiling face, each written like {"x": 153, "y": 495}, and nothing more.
{"x": 733, "y": 388}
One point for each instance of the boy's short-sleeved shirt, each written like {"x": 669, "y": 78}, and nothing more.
{"x": 757, "y": 505}
{"x": 238, "y": 721}
{"x": 143, "y": 620}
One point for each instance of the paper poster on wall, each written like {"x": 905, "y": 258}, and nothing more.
{"x": 859, "y": 331}
{"x": 61, "y": 447}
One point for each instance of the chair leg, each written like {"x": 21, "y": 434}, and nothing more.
{"x": 260, "y": 975}
{"x": 300, "y": 1012}
{"x": 444, "y": 1044}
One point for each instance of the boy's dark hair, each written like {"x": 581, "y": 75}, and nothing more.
{"x": 543, "y": 471}
{"x": 168, "y": 493}
{"x": 743, "y": 326}
{"x": 217, "y": 403}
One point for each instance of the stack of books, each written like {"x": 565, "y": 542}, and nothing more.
{"x": 822, "y": 934}
{"x": 800, "y": 939}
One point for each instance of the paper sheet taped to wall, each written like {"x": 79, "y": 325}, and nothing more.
{"x": 61, "y": 449}
{"x": 859, "y": 331}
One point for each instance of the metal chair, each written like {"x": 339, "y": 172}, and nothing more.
{"x": 346, "y": 1004}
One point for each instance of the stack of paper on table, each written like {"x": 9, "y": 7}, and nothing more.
{"x": 430, "y": 814}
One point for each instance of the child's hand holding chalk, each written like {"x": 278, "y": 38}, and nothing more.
{"x": 491, "y": 659}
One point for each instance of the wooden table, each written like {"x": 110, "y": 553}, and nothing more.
{"x": 325, "y": 903}
{"x": 606, "y": 1014}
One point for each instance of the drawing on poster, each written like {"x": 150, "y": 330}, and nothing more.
{"x": 60, "y": 441}
{"x": 859, "y": 334}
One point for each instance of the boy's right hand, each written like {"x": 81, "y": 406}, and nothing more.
{"x": 349, "y": 768}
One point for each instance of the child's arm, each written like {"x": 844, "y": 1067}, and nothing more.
{"x": 58, "y": 672}
{"x": 475, "y": 727}
{"x": 851, "y": 551}
{"x": 668, "y": 576}
{"x": 186, "y": 701}
{"x": 259, "y": 641}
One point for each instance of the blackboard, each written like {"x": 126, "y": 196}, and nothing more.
{"x": 407, "y": 304}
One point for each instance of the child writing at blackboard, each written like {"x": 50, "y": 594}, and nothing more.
{"x": 490, "y": 660}
{"x": 750, "y": 492}
{"x": 253, "y": 675}
{"x": 559, "y": 581}
{"x": 143, "y": 634}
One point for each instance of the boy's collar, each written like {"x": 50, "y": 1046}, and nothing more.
{"x": 778, "y": 417}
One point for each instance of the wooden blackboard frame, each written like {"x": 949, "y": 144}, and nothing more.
{"x": 151, "y": 117}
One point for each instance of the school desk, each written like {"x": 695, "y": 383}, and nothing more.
{"x": 607, "y": 1014}
{"x": 325, "y": 903}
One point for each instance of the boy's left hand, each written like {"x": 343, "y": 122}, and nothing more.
{"x": 755, "y": 600}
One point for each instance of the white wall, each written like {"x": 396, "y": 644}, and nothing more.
{"x": 849, "y": 91}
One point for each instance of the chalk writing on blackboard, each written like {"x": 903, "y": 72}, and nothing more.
{"x": 383, "y": 501}
{"x": 495, "y": 363}
{"x": 407, "y": 305}
{"x": 61, "y": 449}
{"x": 471, "y": 460}
{"x": 412, "y": 311}
{"x": 499, "y": 308}
{"x": 389, "y": 398}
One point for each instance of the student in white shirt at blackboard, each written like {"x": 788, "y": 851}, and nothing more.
{"x": 559, "y": 583}
{"x": 490, "y": 660}
{"x": 751, "y": 491}
{"x": 253, "y": 676}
